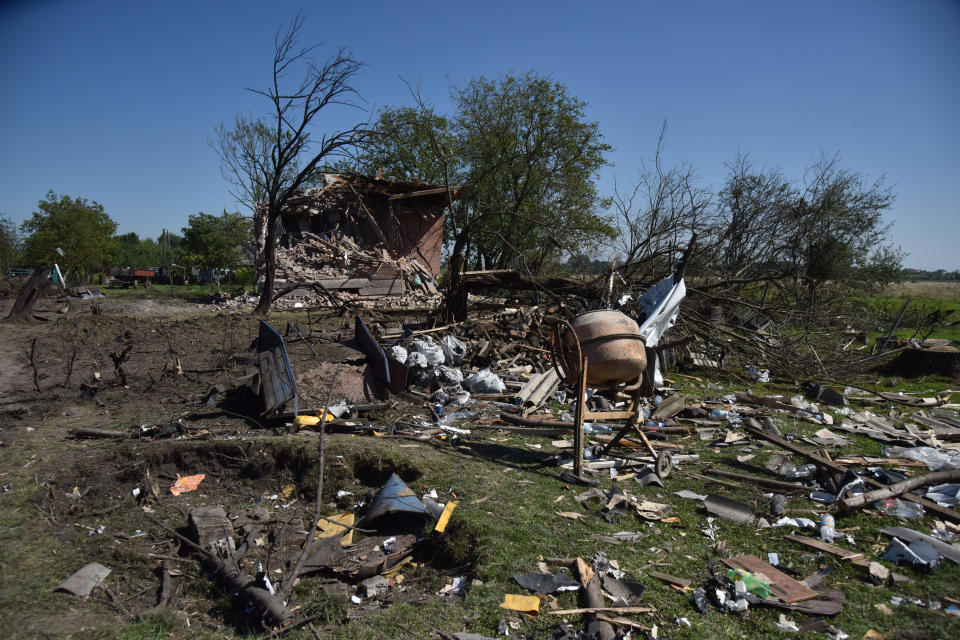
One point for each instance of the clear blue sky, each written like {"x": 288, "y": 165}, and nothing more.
{"x": 115, "y": 101}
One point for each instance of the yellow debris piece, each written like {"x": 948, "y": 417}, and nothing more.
{"x": 286, "y": 492}
{"x": 309, "y": 421}
{"x": 523, "y": 604}
{"x": 445, "y": 516}
{"x": 332, "y": 529}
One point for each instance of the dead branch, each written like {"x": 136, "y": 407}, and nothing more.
{"x": 84, "y": 432}
{"x": 165, "y": 591}
{"x": 33, "y": 364}
{"x": 270, "y": 608}
{"x": 291, "y": 577}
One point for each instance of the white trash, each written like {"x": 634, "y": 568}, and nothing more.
{"x": 430, "y": 349}
{"x": 453, "y": 350}
{"x": 484, "y": 381}
{"x": 416, "y": 360}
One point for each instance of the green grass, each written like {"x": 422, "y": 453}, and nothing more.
{"x": 187, "y": 292}
{"x": 921, "y": 318}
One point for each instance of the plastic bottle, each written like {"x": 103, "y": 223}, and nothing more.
{"x": 753, "y": 584}
{"x": 827, "y": 531}
{"x": 803, "y": 471}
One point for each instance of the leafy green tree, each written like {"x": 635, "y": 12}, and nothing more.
{"x": 405, "y": 147}
{"x": 531, "y": 159}
{"x": 81, "y": 230}
{"x": 9, "y": 244}
{"x": 130, "y": 251}
{"x": 215, "y": 242}
{"x": 839, "y": 232}
{"x": 523, "y": 147}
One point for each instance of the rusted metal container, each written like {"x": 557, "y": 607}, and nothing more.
{"x": 612, "y": 344}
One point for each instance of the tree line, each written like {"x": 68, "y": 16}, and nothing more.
{"x": 81, "y": 237}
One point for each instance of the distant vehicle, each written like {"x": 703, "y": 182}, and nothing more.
{"x": 131, "y": 277}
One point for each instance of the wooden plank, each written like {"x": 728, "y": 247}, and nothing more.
{"x": 781, "y": 585}
{"x": 623, "y": 610}
{"x": 666, "y": 577}
{"x": 670, "y": 407}
{"x": 854, "y": 558}
{"x": 608, "y": 415}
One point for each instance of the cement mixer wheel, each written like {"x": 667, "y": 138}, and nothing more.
{"x": 664, "y": 465}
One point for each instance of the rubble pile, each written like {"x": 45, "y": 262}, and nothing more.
{"x": 367, "y": 278}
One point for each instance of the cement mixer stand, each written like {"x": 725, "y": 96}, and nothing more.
{"x": 663, "y": 462}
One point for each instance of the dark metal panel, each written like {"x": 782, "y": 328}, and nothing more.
{"x": 391, "y": 371}
{"x": 277, "y": 385}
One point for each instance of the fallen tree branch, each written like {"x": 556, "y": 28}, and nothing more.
{"x": 857, "y": 501}
{"x": 271, "y": 609}
{"x": 594, "y": 594}
{"x": 164, "y": 596}
{"x": 84, "y": 432}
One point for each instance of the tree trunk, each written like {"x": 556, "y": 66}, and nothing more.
{"x": 29, "y": 294}
{"x": 270, "y": 266}
{"x": 455, "y": 300}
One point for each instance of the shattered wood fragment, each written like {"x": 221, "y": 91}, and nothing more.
{"x": 850, "y": 556}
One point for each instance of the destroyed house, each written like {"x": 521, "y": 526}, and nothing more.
{"x": 362, "y": 235}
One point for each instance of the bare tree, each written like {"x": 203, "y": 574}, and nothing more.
{"x": 656, "y": 217}
{"x": 269, "y": 159}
